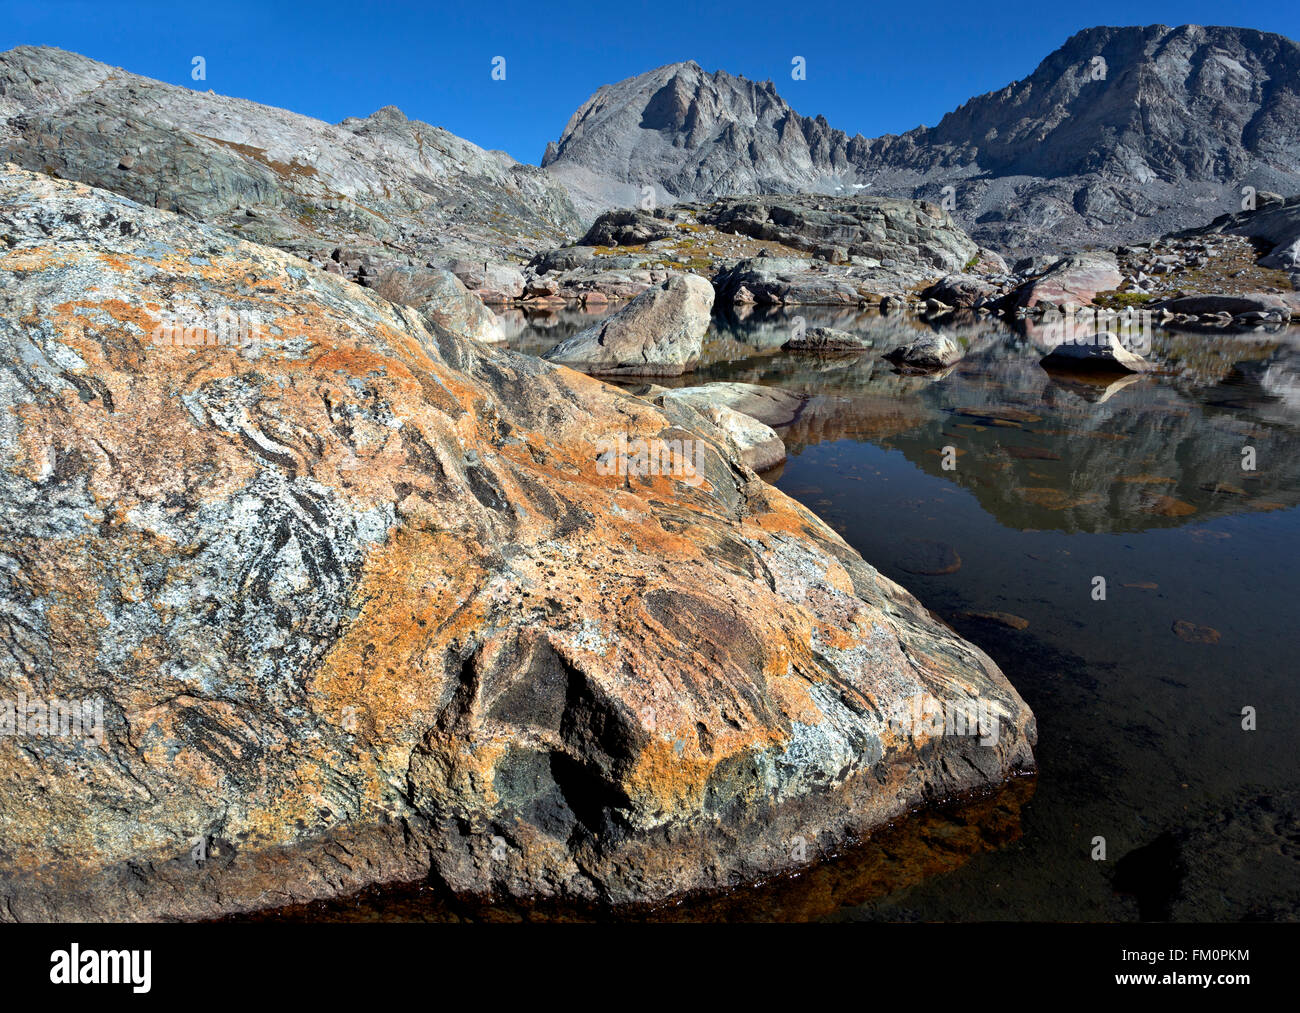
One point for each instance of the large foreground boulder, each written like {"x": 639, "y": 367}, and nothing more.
{"x": 337, "y": 597}
{"x": 659, "y": 333}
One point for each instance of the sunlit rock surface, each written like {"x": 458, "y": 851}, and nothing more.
{"x": 382, "y": 188}
{"x": 362, "y": 604}
{"x": 1119, "y": 134}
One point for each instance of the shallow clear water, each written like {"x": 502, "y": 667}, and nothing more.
{"x": 1057, "y": 482}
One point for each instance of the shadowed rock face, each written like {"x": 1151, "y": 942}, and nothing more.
{"x": 382, "y": 187}
{"x": 361, "y": 607}
{"x": 1120, "y": 133}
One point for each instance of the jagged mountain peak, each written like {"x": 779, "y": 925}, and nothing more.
{"x": 1121, "y": 131}
{"x": 689, "y": 133}
{"x": 1155, "y": 102}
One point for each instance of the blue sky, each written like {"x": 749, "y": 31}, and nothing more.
{"x": 869, "y": 70}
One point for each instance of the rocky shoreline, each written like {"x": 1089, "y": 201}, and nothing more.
{"x": 1243, "y": 266}
{"x": 365, "y": 598}
{"x": 366, "y": 606}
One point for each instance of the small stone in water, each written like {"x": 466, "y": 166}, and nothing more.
{"x": 1001, "y": 618}
{"x": 1194, "y": 634}
{"x": 930, "y": 558}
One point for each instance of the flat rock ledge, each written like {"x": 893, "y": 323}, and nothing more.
{"x": 365, "y": 601}
{"x": 757, "y": 443}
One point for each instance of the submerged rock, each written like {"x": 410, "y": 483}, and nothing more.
{"x": 1101, "y": 352}
{"x": 929, "y": 558}
{"x": 1194, "y": 633}
{"x": 1007, "y": 619}
{"x": 659, "y": 333}
{"x": 363, "y": 601}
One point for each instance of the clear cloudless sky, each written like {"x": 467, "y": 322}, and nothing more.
{"x": 871, "y": 68}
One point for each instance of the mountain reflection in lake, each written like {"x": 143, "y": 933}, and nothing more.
{"x": 1059, "y": 480}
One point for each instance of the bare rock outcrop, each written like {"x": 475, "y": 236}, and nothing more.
{"x": 1120, "y": 133}
{"x": 357, "y": 600}
{"x": 1075, "y": 279}
{"x": 386, "y": 188}
{"x": 659, "y": 333}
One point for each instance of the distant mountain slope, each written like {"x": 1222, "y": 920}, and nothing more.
{"x": 383, "y": 183}
{"x": 695, "y": 135}
{"x": 1120, "y": 133}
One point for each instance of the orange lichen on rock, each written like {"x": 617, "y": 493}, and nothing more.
{"x": 362, "y": 601}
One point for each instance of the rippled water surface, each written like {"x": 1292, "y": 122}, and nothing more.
{"x": 1059, "y": 481}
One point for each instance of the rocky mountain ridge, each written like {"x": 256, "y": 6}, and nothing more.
{"x": 1119, "y": 134}
{"x": 367, "y": 190}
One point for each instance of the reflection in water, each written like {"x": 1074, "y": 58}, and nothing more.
{"x": 1060, "y": 480}
{"x": 1051, "y": 450}
{"x": 895, "y": 857}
